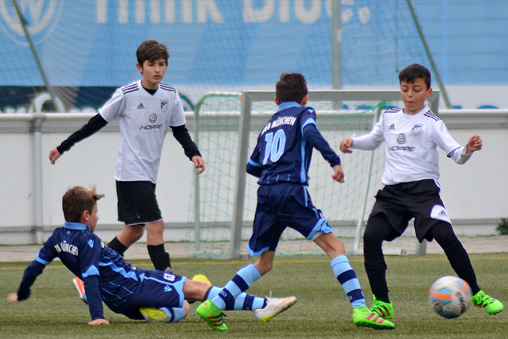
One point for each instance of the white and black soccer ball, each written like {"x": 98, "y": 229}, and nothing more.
{"x": 450, "y": 296}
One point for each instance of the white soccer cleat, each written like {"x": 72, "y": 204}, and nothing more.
{"x": 273, "y": 307}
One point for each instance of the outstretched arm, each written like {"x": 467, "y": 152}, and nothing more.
{"x": 33, "y": 270}
{"x": 93, "y": 125}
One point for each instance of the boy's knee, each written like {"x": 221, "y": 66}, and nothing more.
{"x": 155, "y": 227}
{"x": 370, "y": 237}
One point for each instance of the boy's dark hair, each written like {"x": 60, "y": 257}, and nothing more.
{"x": 291, "y": 87}
{"x": 151, "y": 50}
{"x": 413, "y": 72}
{"x": 77, "y": 200}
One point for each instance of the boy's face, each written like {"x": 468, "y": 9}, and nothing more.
{"x": 153, "y": 72}
{"x": 414, "y": 95}
{"x": 90, "y": 219}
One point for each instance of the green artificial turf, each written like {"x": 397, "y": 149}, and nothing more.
{"x": 322, "y": 311}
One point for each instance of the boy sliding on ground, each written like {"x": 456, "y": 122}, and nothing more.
{"x": 281, "y": 161}
{"x": 412, "y": 135}
{"x": 138, "y": 294}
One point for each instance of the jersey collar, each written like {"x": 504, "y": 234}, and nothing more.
{"x": 288, "y": 104}
{"x": 77, "y": 226}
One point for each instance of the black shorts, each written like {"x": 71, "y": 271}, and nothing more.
{"x": 418, "y": 199}
{"x": 137, "y": 204}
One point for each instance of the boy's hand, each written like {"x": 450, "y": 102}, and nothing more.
{"x": 199, "y": 163}
{"x": 475, "y": 143}
{"x": 339, "y": 174}
{"x": 12, "y": 298}
{"x": 99, "y": 322}
{"x": 53, "y": 155}
{"x": 345, "y": 145}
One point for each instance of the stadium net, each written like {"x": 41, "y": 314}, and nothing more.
{"x": 224, "y": 201}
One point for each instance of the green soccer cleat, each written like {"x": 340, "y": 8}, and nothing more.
{"x": 363, "y": 317}
{"x": 212, "y": 315}
{"x": 154, "y": 315}
{"x": 382, "y": 309}
{"x": 492, "y": 306}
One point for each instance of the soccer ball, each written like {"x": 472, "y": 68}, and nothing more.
{"x": 450, "y": 296}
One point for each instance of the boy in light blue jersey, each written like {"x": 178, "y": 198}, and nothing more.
{"x": 155, "y": 296}
{"x": 281, "y": 161}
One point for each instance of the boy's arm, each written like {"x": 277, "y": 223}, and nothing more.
{"x": 316, "y": 140}
{"x": 93, "y": 297}
{"x": 190, "y": 149}
{"x": 366, "y": 142}
{"x": 182, "y": 135}
{"x": 459, "y": 154}
{"x": 31, "y": 273}
{"x": 93, "y": 125}
{"x": 462, "y": 154}
{"x": 254, "y": 168}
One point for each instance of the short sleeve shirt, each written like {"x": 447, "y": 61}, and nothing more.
{"x": 144, "y": 121}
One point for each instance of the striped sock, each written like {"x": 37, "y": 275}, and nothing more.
{"x": 243, "y": 302}
{"x": 241, "y": 282}
{"x": 347, "y": 278}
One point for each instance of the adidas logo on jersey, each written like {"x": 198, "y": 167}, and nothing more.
{"x": 392, "y": 126}
{"x": 443, "y": 214}
{"x": 141, "y": 106}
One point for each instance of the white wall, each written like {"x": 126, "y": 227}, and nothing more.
{"x": 475, "y": 194}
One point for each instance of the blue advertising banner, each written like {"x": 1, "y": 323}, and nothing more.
{"x": 239, "y": 43}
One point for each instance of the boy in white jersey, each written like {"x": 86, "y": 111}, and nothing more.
{"x": 146, "y": 109}
{"x": 412, "y": 135}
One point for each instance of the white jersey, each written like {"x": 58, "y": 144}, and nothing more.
{"x": 144, "y": 121}
{"x": 411, "y": 145}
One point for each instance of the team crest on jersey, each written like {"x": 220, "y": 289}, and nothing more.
{"x": 164, "y": 105}
{"x": 401, "y": 138}
{"x": 416, "y": 129}
{"x": 153, "y": 118}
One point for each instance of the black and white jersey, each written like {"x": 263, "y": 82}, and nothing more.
{"x": 411, "y": 145}
{"x": 144, "y": 121}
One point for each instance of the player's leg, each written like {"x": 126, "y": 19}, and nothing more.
{"x": 211, "y": 310}
{"x": 160, "y": 298}
{"x": 378, "y": 229}
{"x": 262, "y": 244}
{"x": 443, "y": 233}
{"x": 300, "y": 214}
{"x": 155, "y": 245}
{"x": 127, "y": 236}
{"x": 264, "y": 308}
{"x": 137, "y": 205}
{"x": 346, "y": 276}
{"x": 165, "y": 314}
